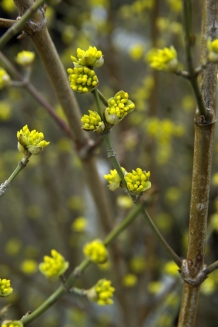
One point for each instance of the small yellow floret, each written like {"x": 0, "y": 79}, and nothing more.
{"x": 171, "y": 268}
{"x": 96, "y": 251}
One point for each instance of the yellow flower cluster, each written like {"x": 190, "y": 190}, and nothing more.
{"x": 31, "y": 140}
{"x": 212, "y": 47}
{"x": 4, "y": 78}
{"x": 5, "y": 287}
{"x": 10, "y": 323}
{"x": 114, "y": 179}
{"x": 118, "y": 107}
{"x": 89, "y": 58}
{"x": 82, "y": 79}
{"x": 92, "y": 122}
{"x": 137, "y": 181}
{"x": 102, "y": 292}
{"x": 163, "y": 59}
{"x": 53, "y": 266}
{"x": 96, "y": 251}
{"x": 25, "y": 58}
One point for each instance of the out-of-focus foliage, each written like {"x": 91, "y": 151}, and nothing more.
{"x": 49, "y": 206}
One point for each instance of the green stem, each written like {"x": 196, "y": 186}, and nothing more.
{"x": 95, "y": 93}
{"x": 161, "y": 239}
{"x": 102, "y": 98}
{"x": 124, "y": 224}
{"x": 21, "y": 164}
{"x": 188, "y": 43}
{"x": 113, "y": 160}
{"x": 17, "y": 27}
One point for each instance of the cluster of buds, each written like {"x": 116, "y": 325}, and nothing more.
{"x": 96, "y": 251}
{"x": 93, "y": 122}
{"x": 101, "y": 293}
{"x": 118, "y": 107}
{"x": 137, "y": 181}
{"x": 82, "y": 79}
{"x": 53, "y": 266}
{"x": 89, "y": 58}
{"x": 5, "y": 287}
{"x": 163, "y": 59}
{"x": 114, "y": 179}
{"x": 32, "y": 141}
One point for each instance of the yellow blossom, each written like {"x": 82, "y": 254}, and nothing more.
{"x": 212, "y": 47}
{"x": 171, "y": 268}
{"x": 129, "y": 280}
{"x": 90, "y": 58}
{"x": 137, "y": 181}
{"x": 163, "y": 59}
{"x": 96, "y": 251}
{"x": 29, "y": 266}
{"x": 5, "y": 287}
{"x": 118, "y": 107}
{"x": 124, "y": 202}
{"x": 4, "y": 78}
{"x": 31, "y": 140}
{"x": 5, "y": 111}
{"x": 8, "y": 6}
{"x": 138, "y": 264}
{"x": 25, "y": 58}
{"x": 79, "y": 224}
{"x": 101, "y": 293}
{"x": 53, "y": 266}
{"x": 10, "y": 323}
{"x": 82, "y": 79}
{"x": 136, "y": 51}
{"x": 114, "y": 179}
{"x": 93, "y": 122}
{"x": 155, "y": 287}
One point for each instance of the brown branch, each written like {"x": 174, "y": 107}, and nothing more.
{"x": 193, "y": 269}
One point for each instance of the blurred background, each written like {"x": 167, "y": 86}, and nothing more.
{"x": 49, "y": 205}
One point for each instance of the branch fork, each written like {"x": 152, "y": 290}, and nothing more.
{"x": 187, "y": 269}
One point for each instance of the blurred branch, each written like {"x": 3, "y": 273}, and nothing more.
{"x": 17, "y": 27}
{"x": 33, "y": 91}
{"x": 189, "y": 41}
